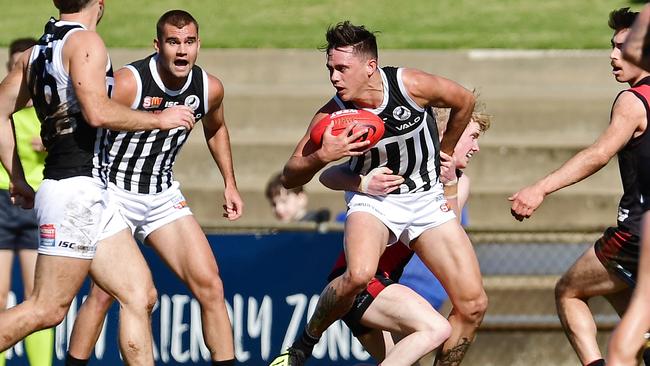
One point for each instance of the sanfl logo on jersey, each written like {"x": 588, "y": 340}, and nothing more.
{"x": 401, "y": 113}
{"x": 192, "y": 101}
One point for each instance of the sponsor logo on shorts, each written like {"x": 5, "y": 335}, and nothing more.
{"x": 445, "y": 207}
{"x": 151, "y": 102}
{"x": 47, "y": 234}
{"x": 75, "y": 246}
{"x": 440, "y": 197}
{"x": 179, "y": 202}
{"x": 365, "y": 206}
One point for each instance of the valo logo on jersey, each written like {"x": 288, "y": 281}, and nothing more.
{"x": 192, "y": 101}
{"x": 47, "y": 234}
{"x": 401, "y": 113}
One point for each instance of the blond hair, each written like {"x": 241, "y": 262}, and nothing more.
{"x": 479, "y": 116}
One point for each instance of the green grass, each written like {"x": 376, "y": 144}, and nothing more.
{"x": 426, "y": 24}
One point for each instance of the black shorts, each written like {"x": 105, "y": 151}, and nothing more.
{"x": 618, "y": 251}
{"x": 18, "y": 227}
{"x": 362, "y": 302}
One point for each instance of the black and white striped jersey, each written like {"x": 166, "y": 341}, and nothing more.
{"x": 74, "y": 147}
{"x": 410, "y": 145}
{"x": 142, "y": 161}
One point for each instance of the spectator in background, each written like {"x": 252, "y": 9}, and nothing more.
{"x": 19, "y": 227}
{"x": 290, "y": 205}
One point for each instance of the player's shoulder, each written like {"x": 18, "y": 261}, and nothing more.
{"x": 124, "y": 76}
{"x": 629, "y": 108}
{"x": 630, "y": 99}
{"x": 415, "y": 80}
{"x": 84, "y": 38}
{"x": 411, "y": 75}
{"x": 214, "y": 83}
{"x": 215, "y": 89}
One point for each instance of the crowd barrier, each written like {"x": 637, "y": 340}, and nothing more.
{"x": 272, "y": 282}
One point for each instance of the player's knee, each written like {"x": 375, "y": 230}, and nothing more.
{"x": 564, "y": 289}
{"x": 208, "y": 289}
{"x": 140, "y": 300}
{"x": 49, "y": 315}
{"x": 356, "y": 280}
{"x": 100, "y": 301}
{"x": 474, "y": 308}
{"x": 152, "y": 298}
{"x": 436, "y": 331}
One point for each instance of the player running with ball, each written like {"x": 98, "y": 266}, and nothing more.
{"x": 417, "y": 212}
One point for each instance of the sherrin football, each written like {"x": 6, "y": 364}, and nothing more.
{"x": 362, "y": 119}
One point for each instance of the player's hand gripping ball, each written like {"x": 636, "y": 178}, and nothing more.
{"x": 361, "y": 119}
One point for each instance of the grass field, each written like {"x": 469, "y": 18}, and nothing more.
{"x": 434, "y": 24}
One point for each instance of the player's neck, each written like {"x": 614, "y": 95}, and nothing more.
{"x": 170, "y": 81}
{"x": 88, "y": 19}
{"x": 639, "y": 78}
{"x": 373, "y": 95}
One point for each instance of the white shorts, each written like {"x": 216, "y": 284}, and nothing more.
{"x": 407, "y": 215}
{"x": 144, "y": 213}
{"x": 73, "y": 216}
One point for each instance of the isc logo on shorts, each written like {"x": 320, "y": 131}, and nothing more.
{"x": 445, "y": 207}
{"x": 47, "y": 234}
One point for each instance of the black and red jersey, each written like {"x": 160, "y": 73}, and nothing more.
{"x": 633, "y": 164}
{"x": 391, "y": 263}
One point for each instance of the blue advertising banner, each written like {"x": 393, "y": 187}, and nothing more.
{"x": 272, "y": 283}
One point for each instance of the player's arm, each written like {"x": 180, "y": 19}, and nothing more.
{"x": 86, "y": 57}
{"x": 463, "y": 191}
{"x": 378, "y": 182}
{"x": 628, "y": 120}
{"x": 14, "y": 96}
{"x": 126, "y": 88}
{"x": 434, "y": 91}
{"x": 637, "y": 44}
{"x": 218, "y": 140}
{"x": 308, "y": 158}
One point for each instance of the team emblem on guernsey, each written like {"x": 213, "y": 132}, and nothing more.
{"x": 401, "y": 113}
{"x": 192, "y": 101}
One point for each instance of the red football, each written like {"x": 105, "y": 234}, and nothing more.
{"x": 362, "y": 120}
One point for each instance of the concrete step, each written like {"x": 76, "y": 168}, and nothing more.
{"x": 553, "y": 121}
{"x": 510, "y": 167}
{"x": 495, "y": 167}
{"x": 496, "y": 72}
{"x": 206, "y": 204}
{"x": 562, "y": 211}
{"x": 525, "y": 348}
{"x": 486, "y": 211}
{"x": 530, "y": 301}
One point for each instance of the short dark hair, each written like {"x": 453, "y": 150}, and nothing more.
{"x": 274, "y": 187}
{"x": 177, "y": 18}
{"x": 346, "y": 34}
{"x": 621, "y": 18}
{"x": 21, "y": 45}
{"x": 70, "y": 6}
